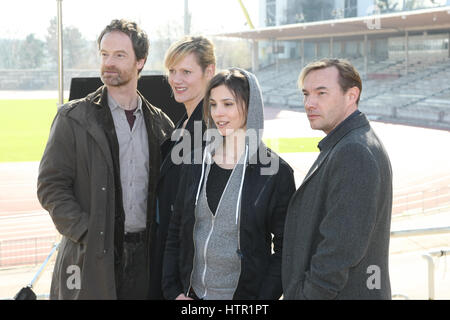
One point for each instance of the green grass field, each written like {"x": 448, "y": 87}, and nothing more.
{"x": 290, "y": 145}
{"x": 25, "y": 125}
{"x": 24, "y": 128}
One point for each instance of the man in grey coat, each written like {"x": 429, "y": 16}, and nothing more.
{"x": 98, "y": 175}
{"x": 336, "y": 239}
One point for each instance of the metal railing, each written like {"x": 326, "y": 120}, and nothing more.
{"x": 428, "y": 256}
{"x": 419, "y": 232}
{"x": 35, "y": 250}
{"x": 27, "y": 251}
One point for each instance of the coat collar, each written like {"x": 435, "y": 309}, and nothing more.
{"x": 168, "y": 145}
{"x": 353, "y": 121}
{"x": 95, "y": 117}
{"x": 100, "y": 98}
{"x": 195, "y": 116}
{"x": 356, "y": 120}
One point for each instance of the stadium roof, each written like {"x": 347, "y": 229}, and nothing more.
{"x": 418, "y": 20}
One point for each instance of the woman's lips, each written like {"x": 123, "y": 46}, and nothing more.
{"x": 222, "y": 124}
{"x": 180, "y": 89}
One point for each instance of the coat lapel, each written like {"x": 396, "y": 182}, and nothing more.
{"x": 153, "y": 138}
{"x": 166, "y": 149}
{"x": 98, "y": 135}
{"x": 168, "y": 145}
{"x": 351, "y": 123}
{"x": 95, "y": 120}
{"x": 319, "y": 161}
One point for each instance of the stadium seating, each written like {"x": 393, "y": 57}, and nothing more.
{"x": 420, "y": 96}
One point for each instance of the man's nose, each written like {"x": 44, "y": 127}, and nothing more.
{"x": 309, "y": 102}
{"x": 108, "y": 60}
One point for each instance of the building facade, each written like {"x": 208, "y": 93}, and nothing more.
{"x": 287, "y": 12}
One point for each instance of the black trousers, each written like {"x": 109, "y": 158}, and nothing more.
{"x": 134, "y": 284}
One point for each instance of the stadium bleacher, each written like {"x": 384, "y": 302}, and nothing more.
{"x": 419, "y": 97}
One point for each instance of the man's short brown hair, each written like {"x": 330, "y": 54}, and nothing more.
{"x": 139, "y": 38}
{"x": 348, "y": 75}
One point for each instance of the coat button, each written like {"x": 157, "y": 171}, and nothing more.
{"x": 103, "y": 189}
{"x": 101, "y": 233}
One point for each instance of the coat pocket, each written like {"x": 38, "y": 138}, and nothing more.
{"x": 71, "y": 269}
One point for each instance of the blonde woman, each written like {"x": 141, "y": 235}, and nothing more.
{"x": 190, "y": 64}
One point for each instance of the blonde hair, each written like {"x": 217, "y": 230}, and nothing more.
{"x": 201, "y": 46}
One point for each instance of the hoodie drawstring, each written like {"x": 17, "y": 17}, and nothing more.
{"x": 201, "y": 177}
{"x": 242, "y": 184}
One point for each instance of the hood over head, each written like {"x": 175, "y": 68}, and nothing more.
{"x": 253, "y": 138}
{"x": 255, "y": 118}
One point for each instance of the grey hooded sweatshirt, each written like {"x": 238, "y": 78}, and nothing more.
{"x": 217, "y": 263}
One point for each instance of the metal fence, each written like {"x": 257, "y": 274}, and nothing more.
{"x": 28, "y": 251}
{"x": 428, "y": 256}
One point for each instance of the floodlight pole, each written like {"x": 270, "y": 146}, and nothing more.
{"x": 247, "y": 16}
{"x": 60, "y": 54}
{"x": 187, "y": 18}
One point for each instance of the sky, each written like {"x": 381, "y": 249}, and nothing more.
{"x": 91, "y": 16}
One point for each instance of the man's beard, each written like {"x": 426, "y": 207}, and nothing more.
{"x": 118, "y": 80}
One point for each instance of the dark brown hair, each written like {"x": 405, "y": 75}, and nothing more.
{"x": 236, "y": 82}
{"x": 138, "y": 36}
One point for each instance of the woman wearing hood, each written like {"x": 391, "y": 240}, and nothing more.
{"x": 226, "y": 233}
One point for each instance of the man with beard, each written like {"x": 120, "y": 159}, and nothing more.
{"x": 98, "y": 175}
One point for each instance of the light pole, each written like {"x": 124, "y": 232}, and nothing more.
{"x": 187, "y": 18}
{"x": 60, "y": 54}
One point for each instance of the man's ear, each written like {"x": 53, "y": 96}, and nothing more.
{"x": 353, "y": 95}
{"x": 210, "y": 71}
{"x": 140, "y": 63}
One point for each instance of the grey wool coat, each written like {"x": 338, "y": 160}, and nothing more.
{"x": 77, "y": 185}
{"x": 336, "y": 239}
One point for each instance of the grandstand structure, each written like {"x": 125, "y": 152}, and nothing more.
{"x": 403, "y": 58}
